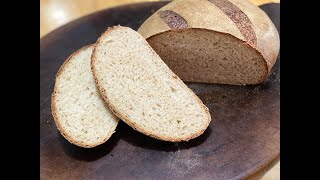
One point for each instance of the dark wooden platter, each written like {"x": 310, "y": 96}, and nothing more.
{"x": 243, "y": 137}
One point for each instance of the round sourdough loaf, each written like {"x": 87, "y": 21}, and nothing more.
{"x": 214, "y": 41}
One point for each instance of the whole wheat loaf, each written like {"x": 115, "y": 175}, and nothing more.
{"x": 214, "y": 41}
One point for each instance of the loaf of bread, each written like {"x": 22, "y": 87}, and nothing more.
{"x": 79, "y": 112}
{"x": 142, "y": 91}
{"x": 214, "y": 41}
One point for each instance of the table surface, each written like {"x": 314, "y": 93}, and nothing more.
{"x": 55, "y": 13}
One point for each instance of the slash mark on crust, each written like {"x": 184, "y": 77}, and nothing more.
{"x": 173, "y": 19}
{"x": 239, "y": 18}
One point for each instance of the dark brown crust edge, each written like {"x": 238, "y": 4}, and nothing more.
{"x": 54, "y": 109}
{"x": 127, "y": 119}
{"x": 267, "y": 69}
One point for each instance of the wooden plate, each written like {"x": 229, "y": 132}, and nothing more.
{"x": 243, "y": 136}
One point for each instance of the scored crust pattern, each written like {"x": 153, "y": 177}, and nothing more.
{"x": 239, "y": 18}
{"x": 173, "y": 19}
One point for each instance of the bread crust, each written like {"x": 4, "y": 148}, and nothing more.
{"x": 54, "y": 109}
{"x": 268, "y": 43}
{"x": 126, "y": 119}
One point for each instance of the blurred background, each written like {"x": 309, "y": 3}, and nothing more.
{"x": 56, "y": 13}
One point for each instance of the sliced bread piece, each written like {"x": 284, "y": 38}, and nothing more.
{"x": 79, "y": 112}
{"x": 142, "y": 91}
{"x": 214, "y": 41}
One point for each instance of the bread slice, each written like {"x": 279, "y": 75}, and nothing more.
{"x": 214, "y": 41}
{"x": 79, "y": 112}
{"x": 142, "y": 91}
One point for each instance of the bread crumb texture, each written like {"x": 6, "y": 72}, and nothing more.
{"x": 143, "y": 91}
{"x": 80, "y": 113}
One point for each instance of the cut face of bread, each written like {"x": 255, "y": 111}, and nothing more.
{"x": 214, "y": 41}
{"x": 198, "y": 55}
{"x": 80, "y": 113}
{"x": 142, "y": 91}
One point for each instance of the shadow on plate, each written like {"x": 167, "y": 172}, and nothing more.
{"x": 138, "y": 139}
{"x": 88, "y": 154}
{"x": 126, "y": 133}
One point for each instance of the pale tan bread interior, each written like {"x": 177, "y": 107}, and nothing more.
{"x": 143, "y": 91}
{"x": 80, "y": 113}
